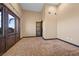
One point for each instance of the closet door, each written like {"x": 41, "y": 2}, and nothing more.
{"x": 38, "y": 29}
{"x": 11, "y": 20}
{"x": 2, "y": 38}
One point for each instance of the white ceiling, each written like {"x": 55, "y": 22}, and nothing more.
{"x": 37, "y": 7}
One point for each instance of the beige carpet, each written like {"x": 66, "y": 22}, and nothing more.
{"x": 38, "y": 47}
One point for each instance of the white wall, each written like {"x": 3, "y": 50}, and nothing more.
{"x": 49, "y": 22}
{"x": 65, "y": 27}
{"x": 29, "y": 23}
{"x": 68, "y": 23}
{"x": 15, "y": 7}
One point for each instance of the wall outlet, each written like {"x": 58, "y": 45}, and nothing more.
{"x": 68, "y": 38}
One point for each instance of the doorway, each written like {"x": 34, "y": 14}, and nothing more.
{"x": 39, "y": 29}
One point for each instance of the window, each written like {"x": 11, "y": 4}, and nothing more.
{"x": 1, "y": 28}
{"x": 0, "y": 19}
{"x": 11, "y": 23}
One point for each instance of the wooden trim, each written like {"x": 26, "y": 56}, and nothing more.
{"x": 40, "y": 27}
{"x": 21, "y": 38}
{"x": 27, "y": 37}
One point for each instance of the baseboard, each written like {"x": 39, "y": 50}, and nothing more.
{"x": 52, "y": 39}
{"x": 27, "y": 37}
{"x": 68, "y": 42}
{"x": 21, "y": 38}
{"x": 49, "y": 38}
{"x": 61, "y": 40}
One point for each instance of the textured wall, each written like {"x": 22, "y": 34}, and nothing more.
{"x": 29, "y": 23}
{"x": 49, "y": 22}
{"x": 68, "y": 22}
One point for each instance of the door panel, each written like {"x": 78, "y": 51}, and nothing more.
{"x": 38, "y": 29}
{"x": 17, "y": 29}
{"x": 2, "y": 39}
{"x": 2, "y": 45}
{"x": 10, "y": 40}
{"x": 11, "y": 34}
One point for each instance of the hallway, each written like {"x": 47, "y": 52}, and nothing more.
{"x": 37, "y": 46}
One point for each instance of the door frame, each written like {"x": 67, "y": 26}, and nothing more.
{"x": 41, "y": 28}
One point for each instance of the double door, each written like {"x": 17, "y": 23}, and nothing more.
{"x": 9, "y": 28}
{"x": 2, "y": 34}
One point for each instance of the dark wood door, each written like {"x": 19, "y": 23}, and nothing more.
{"x": 11, "y": 29}
{"x": 2, "y": 45}
{"x": 2, "y": 37}
{"x": 38, "y": 29}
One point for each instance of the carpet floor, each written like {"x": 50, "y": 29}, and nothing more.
{"x": 37, "y": 46}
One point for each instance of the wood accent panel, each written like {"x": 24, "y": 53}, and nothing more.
{"x": 10, "y": 41}
{"x": 2, "y": 45}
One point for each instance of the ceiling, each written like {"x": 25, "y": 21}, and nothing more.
{"x": 37, "y": 7}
